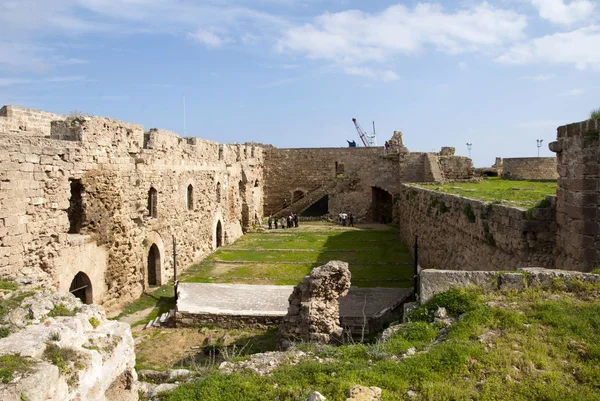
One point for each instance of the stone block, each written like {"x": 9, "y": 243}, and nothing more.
{"x": 511, "y": 281}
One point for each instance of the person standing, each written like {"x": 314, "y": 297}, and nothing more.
{"x": 282, "y": 221}
{"x": 387, "y": 146}
{"x": 351, "y": 219}
{"x": 284, "y": 203}
{"x": 270, "y": 222}
{"x": 296, "y": 219}
{"x": 275, "y": 221}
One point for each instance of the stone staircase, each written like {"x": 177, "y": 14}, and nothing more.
{"x": 435, "y": 168}
{"x": 306, "y": 200}
{"x": 163, "y": 320}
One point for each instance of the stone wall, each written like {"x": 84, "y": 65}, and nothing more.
{"x": 350, "y": 174}
{"x": 14, "y": 119}
{"x": 578, "y": 155}
{"x": 205, "y": 194}
{"x": 456, "y": 167}
{"x": 457, "y": 233}
{"x": 530, "y": 168}
{"x": 433, "y": 281}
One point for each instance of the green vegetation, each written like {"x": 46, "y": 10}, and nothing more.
{"x": 94, "y": 322}
{"x": 62, "y": 357}
{"x": 525, "y": 194}
{"x": 6, "y": 285}
{"x": 595, "y": 114}
{"x": 468, "y": 212}
{"x": 532, "y": 346}
{"x": 61, "y": 310}
{"x": 283, "y": 257}
{"x": 11, "y": 364}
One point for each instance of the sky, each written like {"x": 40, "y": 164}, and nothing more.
{"x": 499, "y": 74}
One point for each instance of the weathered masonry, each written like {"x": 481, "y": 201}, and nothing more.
{"x": 91, "y": 205}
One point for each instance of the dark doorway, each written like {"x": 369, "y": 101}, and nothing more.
{"x": 152, "y": 202}
{"x": 153, "y": 265}
{"x": 382, "y": 205}
{"x": 218, "y": 192}
{"x": 319, "y": 208}
{"x": 339, "y": 168}
{"x": 81, "y": 287}
{"x": 219, "y": 234}
{"x": 75, "y": 210}
{"x": 297, "y": 195}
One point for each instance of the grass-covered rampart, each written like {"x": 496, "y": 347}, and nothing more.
{"x": 524, "y": 194}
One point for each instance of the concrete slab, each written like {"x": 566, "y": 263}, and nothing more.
{"x": 375, "y": 306}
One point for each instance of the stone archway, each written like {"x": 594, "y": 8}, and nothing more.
{"x": 219, "y": 234}
{"x": 154, "y": 265}
{"x": 81, "y": 287}
{"x": 297, "y": 195}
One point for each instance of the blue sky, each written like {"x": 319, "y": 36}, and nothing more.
{"x": 293, "y": 73}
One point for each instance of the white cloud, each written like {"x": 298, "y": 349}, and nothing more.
{"x": 579, "y": 47}
{"x": 353, "y": 37}
{"x": 539, "y": 78}
{"x": 561, "y": 12}
{"x": 463, "y": 66}
{"x": 380, "y": 75}
{"x": 209, "y": 38}
{"x": 574, "y": 92}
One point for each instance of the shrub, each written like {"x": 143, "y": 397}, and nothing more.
{"x": 94, "y": 322}
{"x": 11, "y": 363}
{"x": 61, "y": 310}
{"x": 468, "y": 212}
{"x": 595, "y": 114}
{"x": 456, "y": 301}
{"x": 61, "y": 356}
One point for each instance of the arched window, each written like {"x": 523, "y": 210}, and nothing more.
{"x": 218, "y": 192}
{"x": 152, "y": 202}
{"x": 256, "y": 184}
{"x": 219, "y": 234}
{"x": 190, "y": 197}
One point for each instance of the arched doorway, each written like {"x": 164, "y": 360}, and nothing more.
{"x": 153, "y": 265}
{"x": 219, "y": 234}
{"x": 81, "y": 287}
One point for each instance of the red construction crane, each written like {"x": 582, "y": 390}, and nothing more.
{"x": 361, "y": 133}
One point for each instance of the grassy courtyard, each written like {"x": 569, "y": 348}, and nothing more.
{"x": 374, "y": 253}
{"x": 524, "y": 194}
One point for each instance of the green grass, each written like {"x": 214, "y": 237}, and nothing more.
{"x": 61, "y": 310}
{"x": 525, "y": 194}
{"x": 535, "y": 346}
{"x": 595, "y": 114}
{"x": 12, "y": 364}
{"x": 7, "y": 285}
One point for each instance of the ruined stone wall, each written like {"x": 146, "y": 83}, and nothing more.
{"x": 349, "y": 172}
{"x": 14, "y": 119}
{"x": 456, "y": 167}
{"x": 530, "y": 168}
{"x": 117, "y": 231}
{"x": 578, "y": 154}
{"x": 458, "y": 233}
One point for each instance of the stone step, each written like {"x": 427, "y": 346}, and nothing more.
{"x": 148, "y": 325}
{"x": 156, "y": 322}
{"x": 164, "y": 317}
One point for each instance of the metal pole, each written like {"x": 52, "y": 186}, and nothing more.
{"x": 175, "y": 268}
{"x": 416, "y": 270}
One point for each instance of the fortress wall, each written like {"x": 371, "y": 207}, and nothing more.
{"x": 357, "y": 171}
{"x": 109, "y": 159}
{"x": 494, "y": 237}
{"x": 14, "y": 119}
{"x": 530, "y": 168}
{"x": 578, "y": 155}
{"x": 456, "y": 167}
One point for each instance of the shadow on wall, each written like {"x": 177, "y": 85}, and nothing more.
{"x": 382, "y": 205}
{"x": 317, "y": 209}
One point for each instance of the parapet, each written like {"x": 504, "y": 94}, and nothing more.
{"x": 22, "y": 121}
{"x": 99, "y": 131}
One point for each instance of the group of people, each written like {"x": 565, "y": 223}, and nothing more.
{"x": 285, "y": 222}
{"x": 346, "y": 219}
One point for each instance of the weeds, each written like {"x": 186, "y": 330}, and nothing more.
{"x": 12, "y": 364}
{"x": 595, "y": 114}
{"x": 61, "y": 310}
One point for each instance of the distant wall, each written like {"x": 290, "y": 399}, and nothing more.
{"x": 530, "y": 168}
{"x": 456, "y": 167}
{"x": 14, "y": 119}
{"x": 457, "y": 233}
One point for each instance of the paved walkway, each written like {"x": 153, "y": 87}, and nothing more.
{"x": 272, "y": 300}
